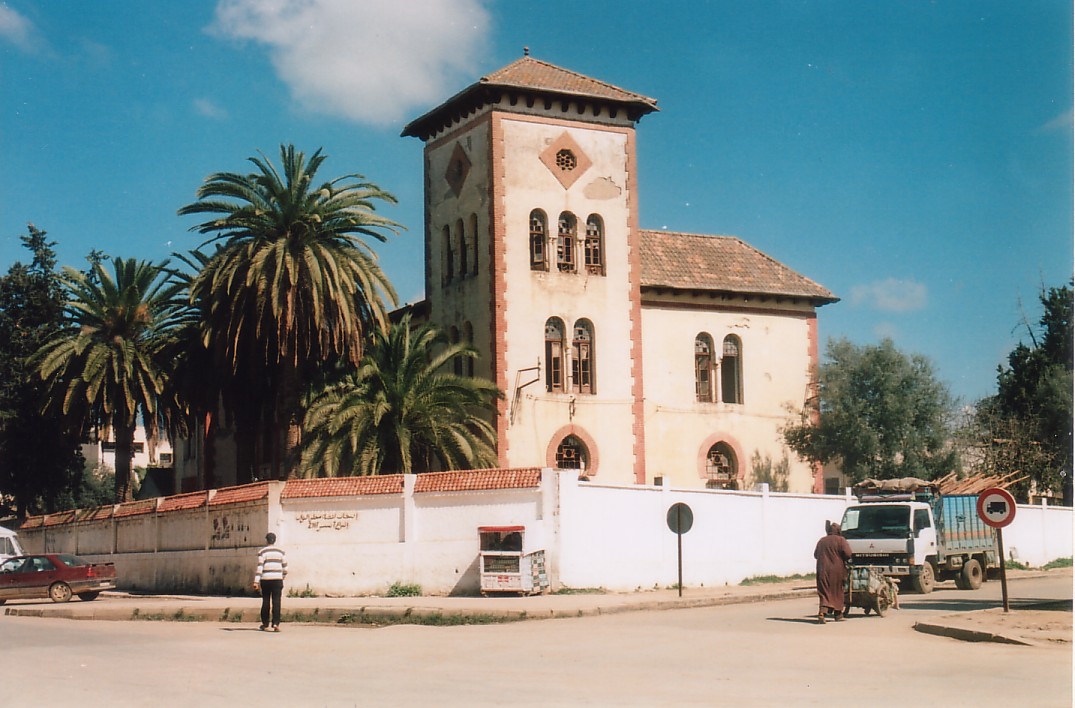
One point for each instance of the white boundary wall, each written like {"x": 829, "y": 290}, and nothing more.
{"x": 595, "y": 536}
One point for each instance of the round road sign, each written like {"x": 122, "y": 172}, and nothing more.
{"x": 996, "y": 507}
{"x": 680, "y": 518}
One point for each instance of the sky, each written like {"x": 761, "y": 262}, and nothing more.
{"x": 913, "y": 157}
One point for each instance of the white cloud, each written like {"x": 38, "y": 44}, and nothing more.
{"x": 16, "y": 29}
{"x": 375, "y": 61}
{"x": 209, "y": 109}
{"x": 1062, "y": 122}
{"x": 890, "y": 295}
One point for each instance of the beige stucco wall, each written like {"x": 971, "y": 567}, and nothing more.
{"x": 775, "y": 364}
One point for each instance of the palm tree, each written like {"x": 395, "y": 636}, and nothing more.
{"x": 293, "y": 284}
{"x": 106, "y": 365}
{"x": 402, "y": 411}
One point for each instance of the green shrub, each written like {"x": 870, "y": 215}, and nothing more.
{"x": 399, "y": 589}
{"x": 1058, "y": 563}
{"x": 768, "y": 579}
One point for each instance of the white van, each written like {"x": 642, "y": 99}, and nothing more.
{"x": 9, "y": 544}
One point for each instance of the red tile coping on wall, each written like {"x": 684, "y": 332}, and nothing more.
{"x": 60, "y": 518}
{"x": 99, "y": 513}
{"x": 179, "y": 502}
{"x": 146, "y": 506}
{"x": 33, "y": 522}
{"x": 342, "y": 486}
{"x": 238, "y": 495}
{"x": 477, "y": 480}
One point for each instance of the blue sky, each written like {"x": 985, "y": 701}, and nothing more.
{"x": 913, "y": 157}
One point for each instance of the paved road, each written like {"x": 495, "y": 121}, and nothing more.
{"x": 767, "y": 653}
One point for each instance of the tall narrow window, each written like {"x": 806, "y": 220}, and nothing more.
{"x": 461, "y": 234}
{"x": 731, "y": 371}
{"x": 582, "y": 359}
{"x": 554, "y": 355}
{"x": 538, "y": 228}
{"x": 472, "y": 234}
{"x": 449, "y": 256}
{"x": 457, "y": 361}
{"x": 703, "y": 368}
{"x": 565, "y": 242}
{"x": 595, "y": 245}
{"x": 468, "y": 338}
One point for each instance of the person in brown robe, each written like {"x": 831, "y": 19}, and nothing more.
{"x": 833, "y": 554}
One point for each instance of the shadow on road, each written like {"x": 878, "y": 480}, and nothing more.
{"x": 968, "y": 605}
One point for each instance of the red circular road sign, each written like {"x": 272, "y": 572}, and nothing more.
{"x": 996, "y": 507}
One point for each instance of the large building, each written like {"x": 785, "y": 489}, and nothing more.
{"x": 629, "y": 354}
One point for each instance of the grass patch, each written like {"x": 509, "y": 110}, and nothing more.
{"x": 770, "y": 579}
{"x": 435, "y": 619}
{"x": 1015, "y": 565}
{"x": 305, "y": 592}
{"x": 399, "y": 589}
{"x": 580, "y": 591}
{"x": 1058, "y": 563}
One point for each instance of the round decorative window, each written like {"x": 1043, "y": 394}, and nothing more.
{"x": 566, "y": 160}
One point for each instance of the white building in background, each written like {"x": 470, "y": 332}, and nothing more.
{"x": 632, "y": 355}
{"x": 147, "y": 454}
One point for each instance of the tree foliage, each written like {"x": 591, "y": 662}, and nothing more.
{"x": 402, "y": 411}
{"x": 879, "y": 414}
{"x": 1026, "y": 428}
{"x": 40, "y": 460}
{"x": 293, "y": 286}
{"x": 106, "y": 365}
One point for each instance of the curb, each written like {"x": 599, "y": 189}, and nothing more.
{"x": 970, "y": 635}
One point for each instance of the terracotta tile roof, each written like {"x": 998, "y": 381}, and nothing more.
{"x": 238, "y": 495}
{"x": 60, "y": 518}
{"x": 476, "y": 480}
{"x": 98, "y": 513}
{"x": 146, "y": 506}
{"x": 533, "y": 76}
{"x": 33, "y": 522}
{"x": 342, "y": 486}
{"x": 194, "y": 500}
{"x": 720, "y": 263}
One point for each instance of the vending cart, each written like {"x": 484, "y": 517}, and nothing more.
{"x": 506, "y": 564}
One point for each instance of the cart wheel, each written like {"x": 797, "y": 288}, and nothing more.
{"x": 881, "y": 606}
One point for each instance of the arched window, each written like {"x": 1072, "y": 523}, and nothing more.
{"x": 449, "y": 256}
{"x": 468, "y": 337}
{"x": 567, "y": 230}
{"x": 595, "y": 245}
{"x": 703, "y": 368}
{"x": 582, "y": 358}
{"x": 554, "y": 355}
{"x": 731, "y": 370}
{"x": 538, "y": 229}
{"x": 472, "y": 235}
{"x": 721, "y": 467}
{"x": 571, "y": 454}
{"x": 461, "y": 234}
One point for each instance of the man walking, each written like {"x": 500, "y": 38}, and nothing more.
{"x": 269, "y": 578}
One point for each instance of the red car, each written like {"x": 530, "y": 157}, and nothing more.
{"x": 56, "y": 576}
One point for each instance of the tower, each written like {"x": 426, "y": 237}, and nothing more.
{"x": 532, "y": 253}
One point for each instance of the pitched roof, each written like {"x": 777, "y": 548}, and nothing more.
{"x": 725, "y": 264}
{"x": 533, "y": 76}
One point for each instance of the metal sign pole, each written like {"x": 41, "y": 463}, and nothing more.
{"x": 1003, "y": 571}
{"x": 679, "y": 543}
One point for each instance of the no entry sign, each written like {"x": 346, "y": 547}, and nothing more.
{"x": 996, "y": 507}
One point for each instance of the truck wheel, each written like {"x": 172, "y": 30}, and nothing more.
{"x": 60, "y": 592}
{"x": 924, "y": 581}
{"x": 971, "y": 575}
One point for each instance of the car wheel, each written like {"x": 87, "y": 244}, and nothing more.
{"x": 971, "y": 575}
{"x": 924, "y": 581}
{"x": 60, "y": 592}
{"x": 87, "y": 596}
{"x": 2, "y": 601}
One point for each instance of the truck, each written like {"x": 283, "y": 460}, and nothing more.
{"x": 911, "y": 532}
{"x": 9, "y": 544}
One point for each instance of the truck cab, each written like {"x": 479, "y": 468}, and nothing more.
{"x": 9, "y": 544}
{"x": 896, "y": 537}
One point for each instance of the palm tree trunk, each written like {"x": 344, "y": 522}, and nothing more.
{"x": 290, "y": 418}
{"x": 124, "y": 454}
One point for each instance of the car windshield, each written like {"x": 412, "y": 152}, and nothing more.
{"x": 880, "y": 521}
{"x": 11, "y": 565}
